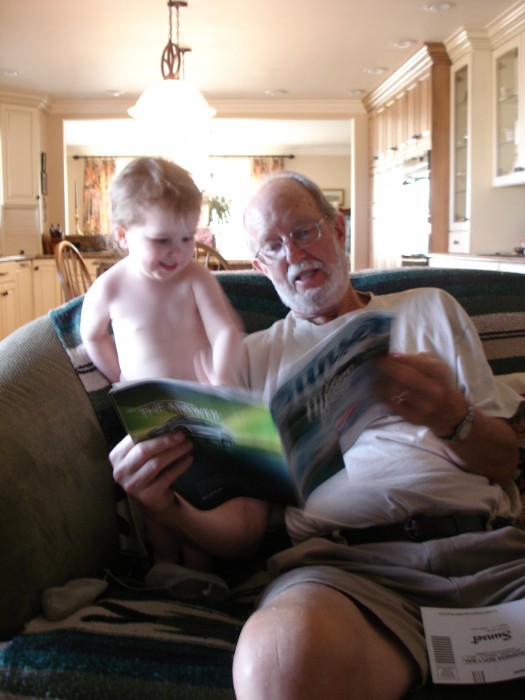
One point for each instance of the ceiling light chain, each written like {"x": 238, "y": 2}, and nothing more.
{"x": 173, "y": 54}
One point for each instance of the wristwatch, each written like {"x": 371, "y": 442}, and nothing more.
{"x": 462, "y": 429}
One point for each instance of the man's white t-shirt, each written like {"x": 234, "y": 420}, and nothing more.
{"x": 394, "y": 469}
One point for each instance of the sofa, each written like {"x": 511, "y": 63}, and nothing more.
{"x": 62, "y": 518}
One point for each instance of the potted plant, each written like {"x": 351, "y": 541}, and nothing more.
{"x": 218, "y": 209}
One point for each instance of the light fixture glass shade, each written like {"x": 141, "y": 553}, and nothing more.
{"x": 171, "y": 100}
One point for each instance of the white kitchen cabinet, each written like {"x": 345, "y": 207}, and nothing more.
{"x": 473, "y": 262}
{"x": 92, "y": 265}
{"x": 477, "y": 208}
{"x": 460, "y": 156}
{"x": 21, "y": 162}
{"x": 24, "y": 292}
{"x": 7, "y": 300}
{"x": 509, "y": 126}
{"x": 47, "y": 292}
{"x": 462, "y": 262}
{"x": 16, "y": 295}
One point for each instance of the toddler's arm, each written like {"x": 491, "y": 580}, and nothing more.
{"x": 223, "y": 328}
{"x": 95, "y": 332}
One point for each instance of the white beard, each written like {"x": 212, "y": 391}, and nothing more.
{"x": 317, "y": 300}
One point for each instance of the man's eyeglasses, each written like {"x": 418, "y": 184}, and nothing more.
{"x": 302, "y": 237}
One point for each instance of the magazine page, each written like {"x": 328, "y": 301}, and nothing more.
{"x": 476, "y": 645}
{"x": 237, "y": 450}
{"x": 322, "y": 409}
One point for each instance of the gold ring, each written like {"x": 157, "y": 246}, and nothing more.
{"x": 401, "y": 397}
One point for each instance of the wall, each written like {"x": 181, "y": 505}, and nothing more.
{"x": 329, "y": 172}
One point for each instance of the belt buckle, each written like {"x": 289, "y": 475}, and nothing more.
{"x": 413, "y": 529}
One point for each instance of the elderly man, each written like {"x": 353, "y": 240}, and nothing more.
{"x": 342, "y": 615}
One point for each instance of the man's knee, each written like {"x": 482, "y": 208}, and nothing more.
{"x": 310, "y": 638}
{"x": 286, "y": 648}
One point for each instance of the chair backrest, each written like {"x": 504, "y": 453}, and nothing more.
{"x": 72, "y": 271}
{"x": 210, "y": 257}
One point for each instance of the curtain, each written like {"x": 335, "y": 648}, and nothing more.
{"x": 98, "y": 176}
{"x": 262, "y": 165}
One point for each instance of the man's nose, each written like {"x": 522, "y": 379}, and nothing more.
{"x": 292, "y": 251}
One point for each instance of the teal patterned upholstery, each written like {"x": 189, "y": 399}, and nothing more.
{"x": 494, "y": 300}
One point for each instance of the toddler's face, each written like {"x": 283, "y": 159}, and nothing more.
{"x": 163, "y": 244}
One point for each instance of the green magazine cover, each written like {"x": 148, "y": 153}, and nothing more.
{"x": 237, "y": 450}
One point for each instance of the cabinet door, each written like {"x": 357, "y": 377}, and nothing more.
{"x": 20, "y": 154}
{"x": 381, "y": 132}
{"x": 24, "y": 293}
{"x": 424, "y": 107}
{"x": 508, "y": 115}
{"x": 7, "y": 307}
{"x": 47, "y": 292}
{"x": 401, "y": 134}
{"x": 20, "y": 180}
{"x": 92, "y": 265}
{"x": 460, "y": 143}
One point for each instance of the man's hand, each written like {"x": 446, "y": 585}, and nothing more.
{"x": 419, "y": 388}
{"x": 147, "y": 470}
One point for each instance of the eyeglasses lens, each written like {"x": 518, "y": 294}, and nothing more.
{"x": 301, "y": 237}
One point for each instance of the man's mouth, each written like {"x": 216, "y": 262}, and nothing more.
{"x": 303, "y": 275}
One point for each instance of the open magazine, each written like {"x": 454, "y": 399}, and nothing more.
{"x": 279, "y": 453}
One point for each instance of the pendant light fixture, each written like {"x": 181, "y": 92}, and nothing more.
{"x": 172, "y": 100}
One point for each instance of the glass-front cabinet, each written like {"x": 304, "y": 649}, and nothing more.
{"x": 509, "y": 155}
{"x": 460, "y": 148}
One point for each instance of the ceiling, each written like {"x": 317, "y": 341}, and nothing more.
{"x": 241, "y": 50}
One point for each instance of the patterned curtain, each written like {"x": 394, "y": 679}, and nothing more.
{"x": 262, "y": 165}
{"x": 98, "y": 176}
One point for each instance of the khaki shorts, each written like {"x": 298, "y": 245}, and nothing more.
{"x": 392, "y": 580}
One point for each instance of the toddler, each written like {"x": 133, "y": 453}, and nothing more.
{"x": 157, "y": 312}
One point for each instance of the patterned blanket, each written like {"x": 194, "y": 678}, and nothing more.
{"x": 126, "y": 646}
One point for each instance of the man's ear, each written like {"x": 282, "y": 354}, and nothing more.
{"x": 259, "y": 266}
{"x": 340, "y": 228}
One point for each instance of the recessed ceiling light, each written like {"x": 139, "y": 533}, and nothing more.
{"x": 377, "y": 70}
{"x": 404, "y": 43}
{"x": 276, "y": 93}
{"x": 9, "y": 72}
{"x": 439, "y": 6}
{"x": 356, "y": 93}
{"x": 115, "y": 93}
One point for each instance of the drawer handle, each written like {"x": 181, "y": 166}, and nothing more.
{"x": 4, "y": 274}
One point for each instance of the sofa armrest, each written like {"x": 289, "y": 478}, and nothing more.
{"x": 57, "y": 505}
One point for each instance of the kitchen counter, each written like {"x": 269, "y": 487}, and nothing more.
{"x": 15, "y": 258}
{"x": 112, "y": 255}
{"x": 504, "y": 262}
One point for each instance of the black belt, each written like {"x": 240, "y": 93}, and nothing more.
{"x": 421, "y": 528}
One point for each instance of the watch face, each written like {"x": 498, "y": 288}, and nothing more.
{"x": 464, "y": 430}
{"x": 466, "y": 426}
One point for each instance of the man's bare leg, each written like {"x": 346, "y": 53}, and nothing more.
{"x": 312, "y": 642}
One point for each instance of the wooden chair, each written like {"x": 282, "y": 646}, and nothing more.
{"x": 72, "y": 271}
{"x": 210, "y": 257}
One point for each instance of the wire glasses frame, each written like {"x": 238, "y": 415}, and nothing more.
{"x": 302, "y": 237}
